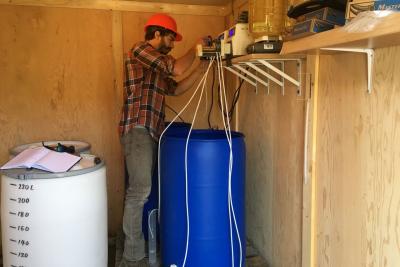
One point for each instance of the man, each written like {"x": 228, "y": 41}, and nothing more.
{"x": 149, "y": 72}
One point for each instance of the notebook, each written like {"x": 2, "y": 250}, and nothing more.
{"x": 43, "y": 159}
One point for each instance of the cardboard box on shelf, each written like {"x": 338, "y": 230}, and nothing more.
{"x": 309, "y": 27}
{"x": 327, "y": 14}
{"x": 354, "y": 7}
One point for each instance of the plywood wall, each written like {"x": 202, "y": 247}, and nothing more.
{"x": 274, "y": 128}
{"x": 237, "y": 7}
{"x": 358, "y": 192}
{"x": 57, "y": 83}
{"x": 59, "y": 79}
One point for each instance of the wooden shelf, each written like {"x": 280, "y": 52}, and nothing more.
{"x": 386, "y": 33}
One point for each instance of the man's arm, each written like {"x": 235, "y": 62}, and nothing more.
{"x": 188, "y": 69}
{"x": 150, "y": 58}
{"x": 183, "y": 63}
{"x": 197, "y": 71}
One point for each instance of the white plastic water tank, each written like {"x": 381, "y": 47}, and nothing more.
{"x": 80, "y": 147}
{"x": 55, "y": 219}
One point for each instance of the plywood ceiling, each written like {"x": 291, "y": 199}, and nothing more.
{"x": 191, "y": 2}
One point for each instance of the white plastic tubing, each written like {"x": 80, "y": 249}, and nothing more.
{"x": 227, "y": 128}
{"x": 224, "y": 110}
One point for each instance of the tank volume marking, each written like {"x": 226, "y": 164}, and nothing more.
{"x": 13, "y": 213}
{"x": 23, "y": 242}
{"x": 22, "y": 255}
{"x": 23, "y": 228}
{"x": 13, "y": 240}
{"x": 25, "y": 187}
{"x": 13, "y": 227}
{"x": 13, "y": 184}
{"x": 13, "y": 199}
{"x": 23, "y": 214}
{"x": 23, "y": 200}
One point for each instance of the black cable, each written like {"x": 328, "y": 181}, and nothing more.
{"x": 219, "y": 104}
{"x": 219, "y": 99}
{"x": 174, "y": 112}
{"x": 236, "y": 96}
{"x": 234, "y": 100}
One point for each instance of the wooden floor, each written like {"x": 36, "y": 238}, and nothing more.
{"x": 252, "y": 260}
{"x": 256, "y": 261}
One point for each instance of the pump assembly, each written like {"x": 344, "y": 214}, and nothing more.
{"x": 239, "y": 40}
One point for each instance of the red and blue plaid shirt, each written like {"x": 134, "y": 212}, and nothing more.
{"x": 147, "y": 81}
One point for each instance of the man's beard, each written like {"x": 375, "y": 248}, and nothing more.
{"x": 163, "y": 49}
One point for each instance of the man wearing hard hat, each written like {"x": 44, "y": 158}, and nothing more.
{"x": 149, "y": 72}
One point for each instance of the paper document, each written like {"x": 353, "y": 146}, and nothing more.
{"x": 43, "y": 159}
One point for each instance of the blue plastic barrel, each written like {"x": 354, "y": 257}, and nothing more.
{"x": 152, "y": 199}
{"x": 208, "y": 166}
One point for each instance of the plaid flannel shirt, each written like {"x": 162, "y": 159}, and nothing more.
{"x": 147, "y": 81}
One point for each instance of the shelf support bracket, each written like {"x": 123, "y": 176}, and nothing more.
{"x": 370, "y": 60}
{"x": 269, "y": 76}
{"x": 241, "y": 76}
{"x": 251, "y": 75}
{"x": 283, "y": 79}
{"x": 282, "y": 74}
{"x": 299, "y": 68}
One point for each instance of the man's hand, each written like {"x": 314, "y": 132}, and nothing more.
{"x": 205, "y": 41}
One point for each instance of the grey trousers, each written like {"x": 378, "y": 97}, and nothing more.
{"x": 140, "y": 154}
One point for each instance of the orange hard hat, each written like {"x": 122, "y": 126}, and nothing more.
{"x": 164, "y": 21}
